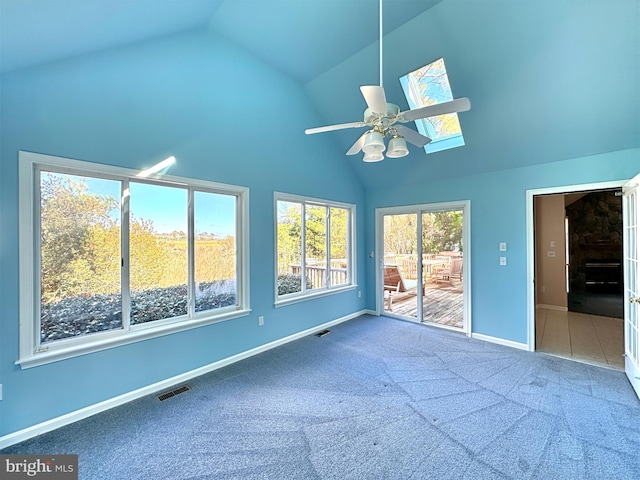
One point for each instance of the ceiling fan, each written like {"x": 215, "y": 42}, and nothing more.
{"x": 383, "y": 120}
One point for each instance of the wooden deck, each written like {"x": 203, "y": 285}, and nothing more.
{"x": 442, "y": 304}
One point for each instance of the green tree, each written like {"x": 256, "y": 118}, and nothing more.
{"x": 442, "y": 231}
{"x": 289, "y": 235}
{"x": 316, "y": 232}
{"x": 70, "y": 215}
{"x": 81, "y": 238}
{"x": 400, "y": 233}
{"x": 339, "y": 241}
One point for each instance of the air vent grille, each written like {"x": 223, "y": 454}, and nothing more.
{"x": 173, "y": 393}
{"x": 322, "y": 333}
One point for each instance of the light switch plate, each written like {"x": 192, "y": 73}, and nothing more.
{"x": 503, "y": 246}
{"x": 503, "y": 260}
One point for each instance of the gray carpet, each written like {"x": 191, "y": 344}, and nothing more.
{"x": 375, "y": 399}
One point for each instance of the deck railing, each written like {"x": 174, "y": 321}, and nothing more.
{"x": 317, "y": 274}
{"x": 408, "y": 262}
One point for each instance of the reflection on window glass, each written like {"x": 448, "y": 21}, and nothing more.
{"x": 158, "y": 252}
{"x": 289, "y": 248}
{"x": 80, "y": 256}
{"x": 215, "y": 251}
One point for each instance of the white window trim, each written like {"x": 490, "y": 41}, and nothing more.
{"x": 351, "y": 284}
{"x": 31, "y": 354}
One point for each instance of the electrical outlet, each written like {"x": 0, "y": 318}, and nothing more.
{"x": 260, "y": 321}
{"x": 0, "y": 391}
{"x": 503, "y": 260}
{"x": 359, "y": 294}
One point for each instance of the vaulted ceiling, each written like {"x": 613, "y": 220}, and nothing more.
{"x": 547, "y": 80}
{"x": 302, "y": 38}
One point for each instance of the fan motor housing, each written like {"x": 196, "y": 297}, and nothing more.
{"x": 385, "y": 120}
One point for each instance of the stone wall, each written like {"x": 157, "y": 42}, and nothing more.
{"x": 595, "y": 232}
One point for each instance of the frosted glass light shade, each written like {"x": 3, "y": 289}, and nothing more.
{"x": 375, "y": 156}
{"x": 373, "y": 142}
{"x": 397, "y": 148}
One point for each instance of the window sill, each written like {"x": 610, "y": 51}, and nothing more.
{"x": 118, "y": 339}
{"x": 310, "y": 296}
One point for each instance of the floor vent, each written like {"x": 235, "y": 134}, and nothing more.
{"x": 173, "y": 393}
{"x": 323, "y": 333}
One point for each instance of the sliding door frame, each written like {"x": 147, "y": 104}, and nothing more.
{"x": 465, "y": 206}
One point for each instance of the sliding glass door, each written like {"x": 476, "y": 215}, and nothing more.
{"x": 400, "y": 272}
{"x": 423, "y": 264}
{"x": 443, "y": 272}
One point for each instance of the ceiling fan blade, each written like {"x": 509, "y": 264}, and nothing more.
{"x": 356, "y": 147}
{"x": 375, "y": 98}
{"x": 330, "y": 128}
{"x": 457, "y": 105}
{"x": 412, "y": 136}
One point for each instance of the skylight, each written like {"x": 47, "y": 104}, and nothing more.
{"x": 429, "y": 85}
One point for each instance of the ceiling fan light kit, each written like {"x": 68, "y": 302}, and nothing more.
{"x": 373, "y": 143}
{"x": 373, "y": 157}
{"x": 397, "y": 147}
{"x": 381, "y": 118}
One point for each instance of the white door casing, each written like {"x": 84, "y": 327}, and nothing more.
{"x": 631, "y": 236}
{"x": 531, "y": 194}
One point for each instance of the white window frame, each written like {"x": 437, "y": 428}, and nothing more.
{"x": 328, "y": 289}
{"x": 32, "y": 352}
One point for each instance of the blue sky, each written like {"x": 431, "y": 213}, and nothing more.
{"x": 166, "y": 206}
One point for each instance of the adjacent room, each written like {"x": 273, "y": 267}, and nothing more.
{"x": 321, "y": 239}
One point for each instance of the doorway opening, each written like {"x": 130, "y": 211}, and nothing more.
{"x": 423, "y": 273}
{"x": 576, "y": 238}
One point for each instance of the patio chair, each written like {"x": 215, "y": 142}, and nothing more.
{"x": 454, "y": 269}
{"x": 395, "y": 284}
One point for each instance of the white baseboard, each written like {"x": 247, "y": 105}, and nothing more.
{"x": 552, "y": 307}
{"x": 71, "y": 417}
{"x": 500, "y": 341}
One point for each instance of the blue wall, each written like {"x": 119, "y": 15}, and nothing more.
{"x": 498, "y": 210}
{"x": 227, "y": 118}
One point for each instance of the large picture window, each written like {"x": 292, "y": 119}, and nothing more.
{"x": 314, "y": 247}
{"x": 108, "y": 257}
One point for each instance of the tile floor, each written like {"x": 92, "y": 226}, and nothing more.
{"x": 579, "y": 336}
